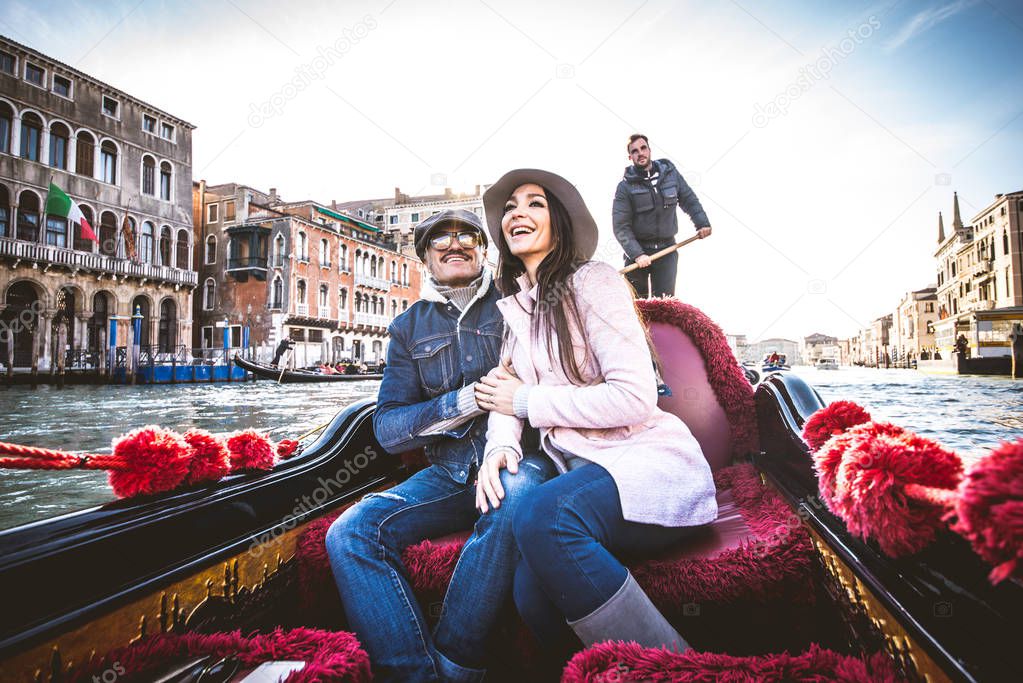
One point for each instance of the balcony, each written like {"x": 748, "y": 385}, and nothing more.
{"x": 982, "y": 268}
{"x": 302, "y": 309}
{"x": 77, "y": 261}
{"x": 370, "y": 320}
{"x": 247, "y": 263}
{"x": 373, "y": 282}
{"x": 247, "y": 254}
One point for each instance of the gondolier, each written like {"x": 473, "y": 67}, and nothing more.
{"x": 645, "y": 220}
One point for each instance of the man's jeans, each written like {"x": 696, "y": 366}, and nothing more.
{"x": 658, "y": 279}
{"x": 571, "y": 535}
{"x": 365, "y": 546}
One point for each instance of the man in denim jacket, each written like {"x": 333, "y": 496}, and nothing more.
{"x": 645, "y": 220}
{"x": 439, "y": 349}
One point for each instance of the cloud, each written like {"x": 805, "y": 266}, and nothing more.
{"x": 926, "y": 20}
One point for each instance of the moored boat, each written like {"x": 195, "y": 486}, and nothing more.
{"x": 142, "y": 581}
{"x": 826, "y": 364}
{"x": 286, "y": 376}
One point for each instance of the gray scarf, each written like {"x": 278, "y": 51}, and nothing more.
{"x": 459, "y": 296}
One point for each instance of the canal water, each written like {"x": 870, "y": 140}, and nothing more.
{"x": 968, "y": 414}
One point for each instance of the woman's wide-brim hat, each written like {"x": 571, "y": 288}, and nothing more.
{"x": 583, "y": 225}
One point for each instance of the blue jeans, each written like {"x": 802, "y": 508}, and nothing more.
{"x": 365, "y": 546}
{"x": 569, "y": 535}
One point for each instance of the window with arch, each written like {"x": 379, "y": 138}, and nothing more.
{"x": 343, "y": 299}
{"x": 394, "y": 272}
{"x": 165, "y": 246}
{"x": 324, "y": 253}
{"x": 31, "y": 136}
{"x": 394, "y": 308}
{"x": 6, "y": 126}
{"x": 373, "y": 266}
{"x": 211, "y": 250}
{"x": 182, "y": 250}
{"x": 28, "y": 216}
{"x": 277, "y": 293}
{"x": 323, "y": 305}
{"x": 165, "y": 180}
{"x": 300, "y": 291}
{"x": 209, "y": 294}
{"x": 404, "y": 305}
{"x": 343, "y": 259}
{"x": 108, "y": 234}
{"x": 5, "y": 216}
{"x": 85, "y": 150}
{"x": 108, "y": 162}
{"x": 146, "y": 242}
{"x": 303, "y": 247}
{"x": 358, "y": 261}
{"x": 404, "y": 274}
{"x": 279, "y": 251}
{"x": 166, "y": 337}
{"x": 59, "y": 136}
{"x": 358, "y": 302}
{"x": 148, "y": 175}
{"x": 1005, "y": 242}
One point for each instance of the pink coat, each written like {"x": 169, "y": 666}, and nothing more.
{"x": 613, "y": 420}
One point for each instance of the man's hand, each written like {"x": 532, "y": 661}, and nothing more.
{"x": 496, "y": 391}
{"x": 643, "y": 261}
{"x": 488, "y": 484}
{"x": 703, "y": 232}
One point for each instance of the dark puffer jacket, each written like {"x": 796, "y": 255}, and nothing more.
{"x": 646, "y": 214}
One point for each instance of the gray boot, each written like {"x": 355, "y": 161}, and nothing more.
{"x": 630, "y": 616}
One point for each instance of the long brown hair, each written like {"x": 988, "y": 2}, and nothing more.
{"x": 556, "y": 307}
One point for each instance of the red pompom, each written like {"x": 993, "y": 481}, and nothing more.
{"x": 989, "y": 511}
{"x": 286, "y": 448}
{"x": 830, "y": 420}
{"x": 155, "y": 460}
{"x": 210, "y": 460}
{"x": 250, "y": 450}
{"x": 864, "y": 474}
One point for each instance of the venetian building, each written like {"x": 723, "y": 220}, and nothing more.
{"x": 125, "y": 162}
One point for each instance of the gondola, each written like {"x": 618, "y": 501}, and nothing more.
{"x": 778, "y": 588}
{"x": 298, "y": 376}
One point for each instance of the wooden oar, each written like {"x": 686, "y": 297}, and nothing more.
{"x": 284, "y": 363}
{"x": 659, "y": 254}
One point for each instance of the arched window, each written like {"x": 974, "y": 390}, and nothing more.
{"x": 6, "y": 126}
{"x": 108, "y": 162}
{"x": 146, "y": 242}
{"x": 343, "y": 299}
{"x": 300, "y": 287}
{"x": 85, "y": 148}
{"x": 1005, "y": 243}
{"x": 324, "y": 253}
{"x": 148, "y": 175}
{"x": 277, "y": 295}
{"x": 28, "y": 216}
{"x": 166, "y": 338}
{"x": 165, "y": 246}
{"x": 404, "y": 274}
{"x": 31, "y": 136}
{"x": 394, "y": 272}
{"x": 65, "y": 315}
{"x": 404, "y": 305}
{"x": 358, "y": 302}
{"x": 373, "y": 266}
{"x": 80, "y": 241}
{"x": 209, "y": 294}
{"x": 358, "y": 261}
{"x": 279, "y": 251}
{"x": 165, "y": 181}
{"x": 182, "y": 250}
{"x": 108, "y": 234}
{"x": 323, "y": 306}
{"x": 211, "y": 250}
{"x": 59, "y": 136}
{"x": 5, "y": 212}
{"x": 394, "y": 308}
{"x": 344, "y": 257}
{"x": 303, "y": 247}
{"x": 99, "y": 322}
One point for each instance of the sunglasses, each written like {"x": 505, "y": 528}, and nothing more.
{"x": 466, "y": 240}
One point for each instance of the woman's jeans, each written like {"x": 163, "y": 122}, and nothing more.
{"x": 570, "y": 536}
{"x": 365, "y": 547}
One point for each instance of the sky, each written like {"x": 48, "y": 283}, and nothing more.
{"x": 821, "y": 138}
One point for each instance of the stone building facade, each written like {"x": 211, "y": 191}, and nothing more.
{"x": 271, "y": 269}
{"x": 124, "y": 162}
{"x": 912, "y": 332}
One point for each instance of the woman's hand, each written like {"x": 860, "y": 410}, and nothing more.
{"x": 488, "y": 484}
{"x": 496, "y": 391}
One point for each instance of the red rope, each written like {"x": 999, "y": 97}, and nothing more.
{"x": 34, "y": 458}
{"x": 31, "y": 464}
{"x": 32, "y": 451}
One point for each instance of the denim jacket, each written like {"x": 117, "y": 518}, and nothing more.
{"x": 644, "y": 213}
{"x": 436, "y": 350}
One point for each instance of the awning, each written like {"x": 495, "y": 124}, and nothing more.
{"x": 347, "y": 219}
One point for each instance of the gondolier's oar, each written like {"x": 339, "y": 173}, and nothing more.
{"x": 659, "y": 254}
{"x": 284, "y": 363}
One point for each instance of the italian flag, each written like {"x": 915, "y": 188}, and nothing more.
{"x": 59, "y": 204}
